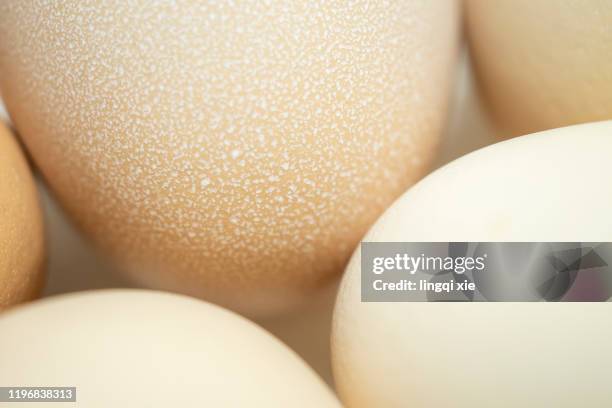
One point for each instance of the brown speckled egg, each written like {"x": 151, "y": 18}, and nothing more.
{"x": 21, "y": 226}
{"x": 543, "y": 64}
{"x": 235, "y": 151}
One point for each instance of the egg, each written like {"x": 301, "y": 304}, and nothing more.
{"x": 234, "y": 151}
{"x": 542, "y": 64}
{"x": 545, "y": 187}
{"x": 142, "y": 348}
{"x": 22, "y": 249}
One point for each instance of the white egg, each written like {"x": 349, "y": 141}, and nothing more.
{"x": 128, "y": 348}
{"x": 542, "y": 64}
{"x": 551, "y": 186}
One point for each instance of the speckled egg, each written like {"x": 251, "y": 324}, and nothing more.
{"x": 543, "y": 64}
{"x": 21, "y": 226}
{"x": 234, "y": 151}
{"x": 551, "y": 186}
{"x": 136, "y": 348}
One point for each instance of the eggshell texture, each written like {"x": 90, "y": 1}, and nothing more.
{"x": 21, "y": 226}
{"x": 543, "y": 64}
{"x": 235, "y": 151}
{"x": 141, "y": 348}
{"x": 545, "y": 187}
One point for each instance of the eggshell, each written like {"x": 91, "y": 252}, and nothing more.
{"x": 141, "y": 348}
{"x": 550, "y": 186}
{"x": 543, "y": 64}
{"x": 232, "y": 151}
{"x": 21, "y": 226}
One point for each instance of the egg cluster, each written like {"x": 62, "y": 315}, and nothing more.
{"x": 235, "y": 153}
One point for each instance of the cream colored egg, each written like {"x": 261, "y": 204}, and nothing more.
{"x": 543, "y": 64}
{"x": 235, "y": 151}
{"x": 21, "y": 226}
{"x": 551, "y": 186}
{"x": 127, "y": 348}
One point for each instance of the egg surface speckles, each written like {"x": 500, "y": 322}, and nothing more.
{"x": 547, "y": 187}
{"x": 152, "y": 350}
{"x": 21, "y": 226}
{"x": 235, "y": 151}
{"x": 543, "y": 64}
